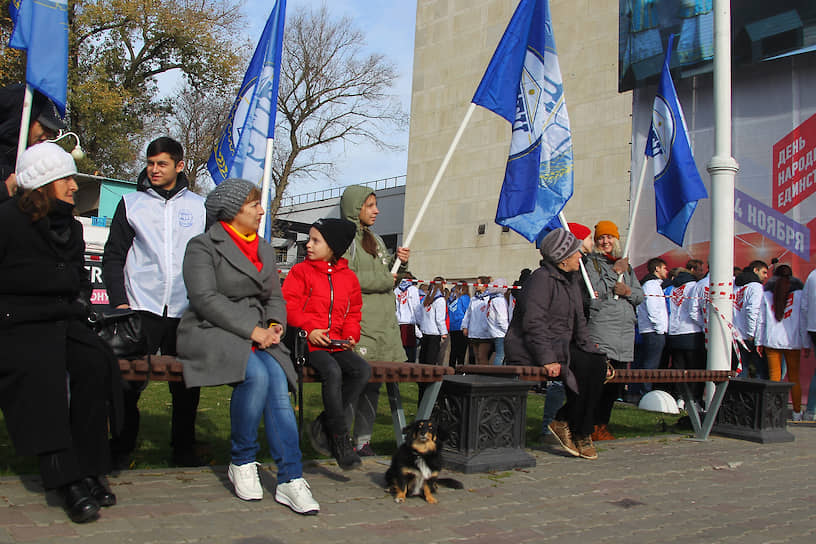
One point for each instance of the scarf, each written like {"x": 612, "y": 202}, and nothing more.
{"x": 247, "y": 244}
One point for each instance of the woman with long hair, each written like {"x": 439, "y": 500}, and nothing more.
{"x": 432, "y": 322}
{"x": 370, "y": 259}
{"x": 781, "y": 330}
{"x": 58, "y": 379}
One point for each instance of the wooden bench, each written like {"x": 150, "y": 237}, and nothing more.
{"x": 167, "y": 368}
{"x": 683, "y": 377}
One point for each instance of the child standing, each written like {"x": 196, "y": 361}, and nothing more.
{"x": 323, "y": 298}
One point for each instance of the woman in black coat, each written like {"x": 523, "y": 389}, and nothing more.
{"x": 56, "y": 375}
{"x": 549, "y": 329}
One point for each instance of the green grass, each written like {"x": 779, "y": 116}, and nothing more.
{"x": 213, "y": 427}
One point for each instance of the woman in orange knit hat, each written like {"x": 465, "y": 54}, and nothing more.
{"x": 612, "y": 316}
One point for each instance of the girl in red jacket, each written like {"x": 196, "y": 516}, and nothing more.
{"x": 323, "y": 298}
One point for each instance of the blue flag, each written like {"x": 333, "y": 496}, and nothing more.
{"x": 523, "y": 84}
{"x": 677, "y": 183}
{"x": 241, "y": 150}
{"x": 41, "y": 29}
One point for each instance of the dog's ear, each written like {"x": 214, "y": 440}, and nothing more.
{"x": 408, "y": 430}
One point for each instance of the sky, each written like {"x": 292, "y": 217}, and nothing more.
{"x": 389, "y": 30}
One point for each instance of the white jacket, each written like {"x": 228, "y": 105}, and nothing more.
{"x": 680, "y": 321}
{"x": 747, "y": 301}
{"x": 407, "y": 304}
{"x": 486, "y": 317}
{"x": 790, "y": 333}
{"x": 698, "y": 303}
{"x": 809, "y": 302}
{"x": 432, "y": 318}
{"x": 153, "y": 277}
{"x": 652, "y": 314}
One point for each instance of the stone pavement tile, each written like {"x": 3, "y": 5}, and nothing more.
{"x": 38, "y": 532}
{"x": 17, "y": 515}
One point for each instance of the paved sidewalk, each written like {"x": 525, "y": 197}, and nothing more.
{"x": 655, "y": 490}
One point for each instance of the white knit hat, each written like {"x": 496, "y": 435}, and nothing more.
{"x": 43, "y": 163}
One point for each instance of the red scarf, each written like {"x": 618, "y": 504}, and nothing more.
{"x": 247, "y": 244}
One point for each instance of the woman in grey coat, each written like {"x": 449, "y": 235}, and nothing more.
{"x": 231, "y": 335}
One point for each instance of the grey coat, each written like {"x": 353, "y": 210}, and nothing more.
{"x": 612, "y": 322}
{"x": 229, "y": 297}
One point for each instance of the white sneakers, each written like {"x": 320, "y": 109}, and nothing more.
{"x": 797, "y": 416}
{"x": 246, "y": 481}
{"x": 297, "y": 495}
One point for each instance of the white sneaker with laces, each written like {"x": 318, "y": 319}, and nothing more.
{"x": 297, "y": 495}
{"x": 797, "y": 416}
{"x": 246, "y": 481}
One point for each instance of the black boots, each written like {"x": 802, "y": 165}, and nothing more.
{"x": 82, "y": 499}
{"x": 99, "y": 492}
{"x": 343, "y": 451}
{"x": 80, "y": 506}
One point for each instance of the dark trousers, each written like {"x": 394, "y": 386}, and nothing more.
{"x": 459, "y": 346}
{"x": 579, "y": 411}
{"x": 343, "y": 376}
{"x": 161, "y": 336}
{"x": 428, "y": 355}
{"x": 409, "y": 341}
{"x": 647, "y": 356}
{"x": 753, "y": 366}
{"x": 88, "y": 386}
{"x": 609, "y": 394}
{"x": 688, "y": 352}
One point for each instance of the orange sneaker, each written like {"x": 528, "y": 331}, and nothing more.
{"x": 602, "y": 433}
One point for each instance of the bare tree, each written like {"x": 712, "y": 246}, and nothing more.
{"x": 198, "y": 118}
{"x": 331, "y": 91}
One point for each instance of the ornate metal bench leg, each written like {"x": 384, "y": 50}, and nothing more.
{"x": 713, "y": 408}
{"x": 426, "y": 403}
{"x": 397, "y": 413}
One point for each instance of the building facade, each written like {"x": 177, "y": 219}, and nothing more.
{"x": 454, "y": 42}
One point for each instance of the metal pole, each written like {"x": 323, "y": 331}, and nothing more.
{"x": 265, "y": 185}
{"x": 723, "y": 168}
{"x": 25, "y": 120}
{"x": 406, "y": 242}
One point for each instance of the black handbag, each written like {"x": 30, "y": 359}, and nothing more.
{"x": 122, "y": 329}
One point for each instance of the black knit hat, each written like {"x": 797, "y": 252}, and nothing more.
{"x": 338, "y": 233}
{"x": 226, "y": 200}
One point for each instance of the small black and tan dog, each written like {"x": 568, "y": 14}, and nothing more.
{"x": 416, "y": 464}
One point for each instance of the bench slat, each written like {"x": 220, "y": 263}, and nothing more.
{"x": 663, "y": 375}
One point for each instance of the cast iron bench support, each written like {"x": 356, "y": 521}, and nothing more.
{"x": 684, "y": 377}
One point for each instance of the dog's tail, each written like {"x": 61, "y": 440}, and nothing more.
{"x": 450, "y": 483}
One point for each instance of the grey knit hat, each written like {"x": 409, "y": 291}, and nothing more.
{"x": 558, "y": 245}
{"x": 225, "y": 201}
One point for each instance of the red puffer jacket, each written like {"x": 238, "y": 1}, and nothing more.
{"x": 321, "y": 296}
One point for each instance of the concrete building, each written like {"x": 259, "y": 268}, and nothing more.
{"x": 455, "y": 40}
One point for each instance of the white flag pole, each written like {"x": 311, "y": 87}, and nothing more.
{"x": 584, "y": 274}
{"x": 722, "y": 167}
{"x": 25, "y": 120}
{"x": 266, "y": 184}
{"x": 406, "y": 242}
{"x": 633, "y": 214}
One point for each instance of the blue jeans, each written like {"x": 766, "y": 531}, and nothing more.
{"x": 498, "y": 356}
{"x": 553, "y": 401}
{"x": 647, "y": 356}
{"x": 265, "y": 391}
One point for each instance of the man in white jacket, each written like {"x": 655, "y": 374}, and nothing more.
{"x": 747, "y": 300}
{"x": 653, "y": 322}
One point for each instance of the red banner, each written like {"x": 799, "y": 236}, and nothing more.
{"x": 794, "y": 170}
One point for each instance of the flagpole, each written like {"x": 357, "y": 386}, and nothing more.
{"x": 406, "y": 242}
{"x": 723, "y": 168}
{"x": 590, "y": 289}
{"x": 266, "y": 184}
{"x": 635, "y": 205}
{"x": 25, "y": 120}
